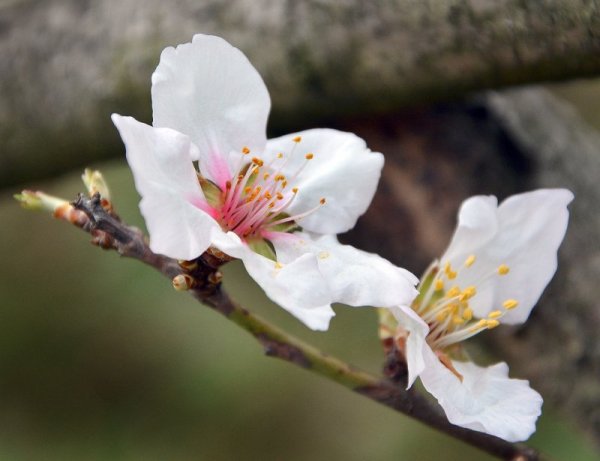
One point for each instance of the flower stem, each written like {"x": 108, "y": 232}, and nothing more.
{"x": 109, "y": 232}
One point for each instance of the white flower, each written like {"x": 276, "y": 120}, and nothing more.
{"x": 276, "y": 204}
{"x": 498, "y": 263}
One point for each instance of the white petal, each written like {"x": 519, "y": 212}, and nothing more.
{"x": 529, "y": 230}
{"x": 486, "y": 400}
{"x": 171, "y": 197}
{"x": 343, "y": 171}
{"x": 532, "y": 227}
{"x": 208, "y": 90}
{"x": 415, "y": 343}
{"x": 297, "y": 286}
{"x": 355, "y": 277}
{"x": 477, "y": 225}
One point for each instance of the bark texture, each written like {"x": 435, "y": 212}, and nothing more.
{"x": 67, "y": 64}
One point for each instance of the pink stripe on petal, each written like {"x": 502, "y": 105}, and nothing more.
{"x": 218, "y": 170}
{"x": 204, "y": 206}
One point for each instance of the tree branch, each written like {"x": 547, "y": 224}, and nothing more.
{"x": 97, "y": 57}
{"x": 203, "y": 281}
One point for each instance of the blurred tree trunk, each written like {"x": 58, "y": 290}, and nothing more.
{"x": 501, "y": 143}
{"x": 67, "y": 64}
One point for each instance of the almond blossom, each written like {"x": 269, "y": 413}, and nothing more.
{"x": 275, "y": 204}
{"x": 496, "y": 267}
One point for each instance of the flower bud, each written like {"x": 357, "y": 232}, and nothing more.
{"x": 94, "y": 182}
{"x": 38, "y": 201}
{"x": 183, "y": 282}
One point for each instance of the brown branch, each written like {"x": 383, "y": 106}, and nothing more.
{"x": 203, "y": 281}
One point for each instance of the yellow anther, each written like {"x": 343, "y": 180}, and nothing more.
{"x": 247, "y": 190}
{"x": 495, "y": 314}
{"x": 470, "y": 260}
{"x": 439, "y": 285}
{"x": 452, "y": 292}
{"x": 457, "y": 320}
{"x": 478, "y": 326}
{"x": 322, "y": 201}
{"x": 258, "y": 161}
{"x": 467, "y": 314}
{"x": 266, "y": 176}
{"x": 491, "y": 323}
{"x": 256, "y": 170}
{"x": 284, "y": 184}
{"x": 510, "y": 304}
{"x": 279, "y": 155}
{"x": 279, "y": 196}
{"x": 309, "y": 156}
{"x": 271, "y": 205}
{"x": 279, "y": 177}
{"x": 278, "y": 265}
{"x": 503, "y": 269}
{"x": 295, "y": 190}
{"x": 297, "y": 139}
{"x": 245, "y": 150}
{"x": 440, "y": 317}
{"x": 267, "y": 195}
{"x": 449, "y": 272}
{"x": 468, "y": 293}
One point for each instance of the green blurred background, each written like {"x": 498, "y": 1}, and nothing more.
{"x": 100, "y": 359}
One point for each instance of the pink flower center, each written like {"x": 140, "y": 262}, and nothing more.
{"x": 256, "y": 200}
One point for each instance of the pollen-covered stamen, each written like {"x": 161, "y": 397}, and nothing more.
{"x": 258, "y": 197}
{"x": 444, "y": 305}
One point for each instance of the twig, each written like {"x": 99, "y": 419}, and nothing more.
{"x": 203, "y": 281}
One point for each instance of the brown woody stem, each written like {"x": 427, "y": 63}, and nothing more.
{"x": 110, "y": 233}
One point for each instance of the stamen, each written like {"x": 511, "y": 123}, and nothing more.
{"x": 245, "y": 150}
{"x": 449, "y": 272}
{"x": 495, "y": 314}
{"x": 470, "y": 260}
{"x": 467, "y": 314}
{"x": 442, "y": 315}
{"x": 503, "y": 269}
{"x": 297, "y": 139}
{"x": 452, "y": 292}
{"x": 309, "y": 156}
{"x": 510, "y": 304}
{"x": 468, "y": 293}
{"x": 478, "y": 326}
{"x": 491, "y": 324}
{"x": 439, "y": 285}
{"x": 279, "y": 155}
{"x": 457, "y": 320}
